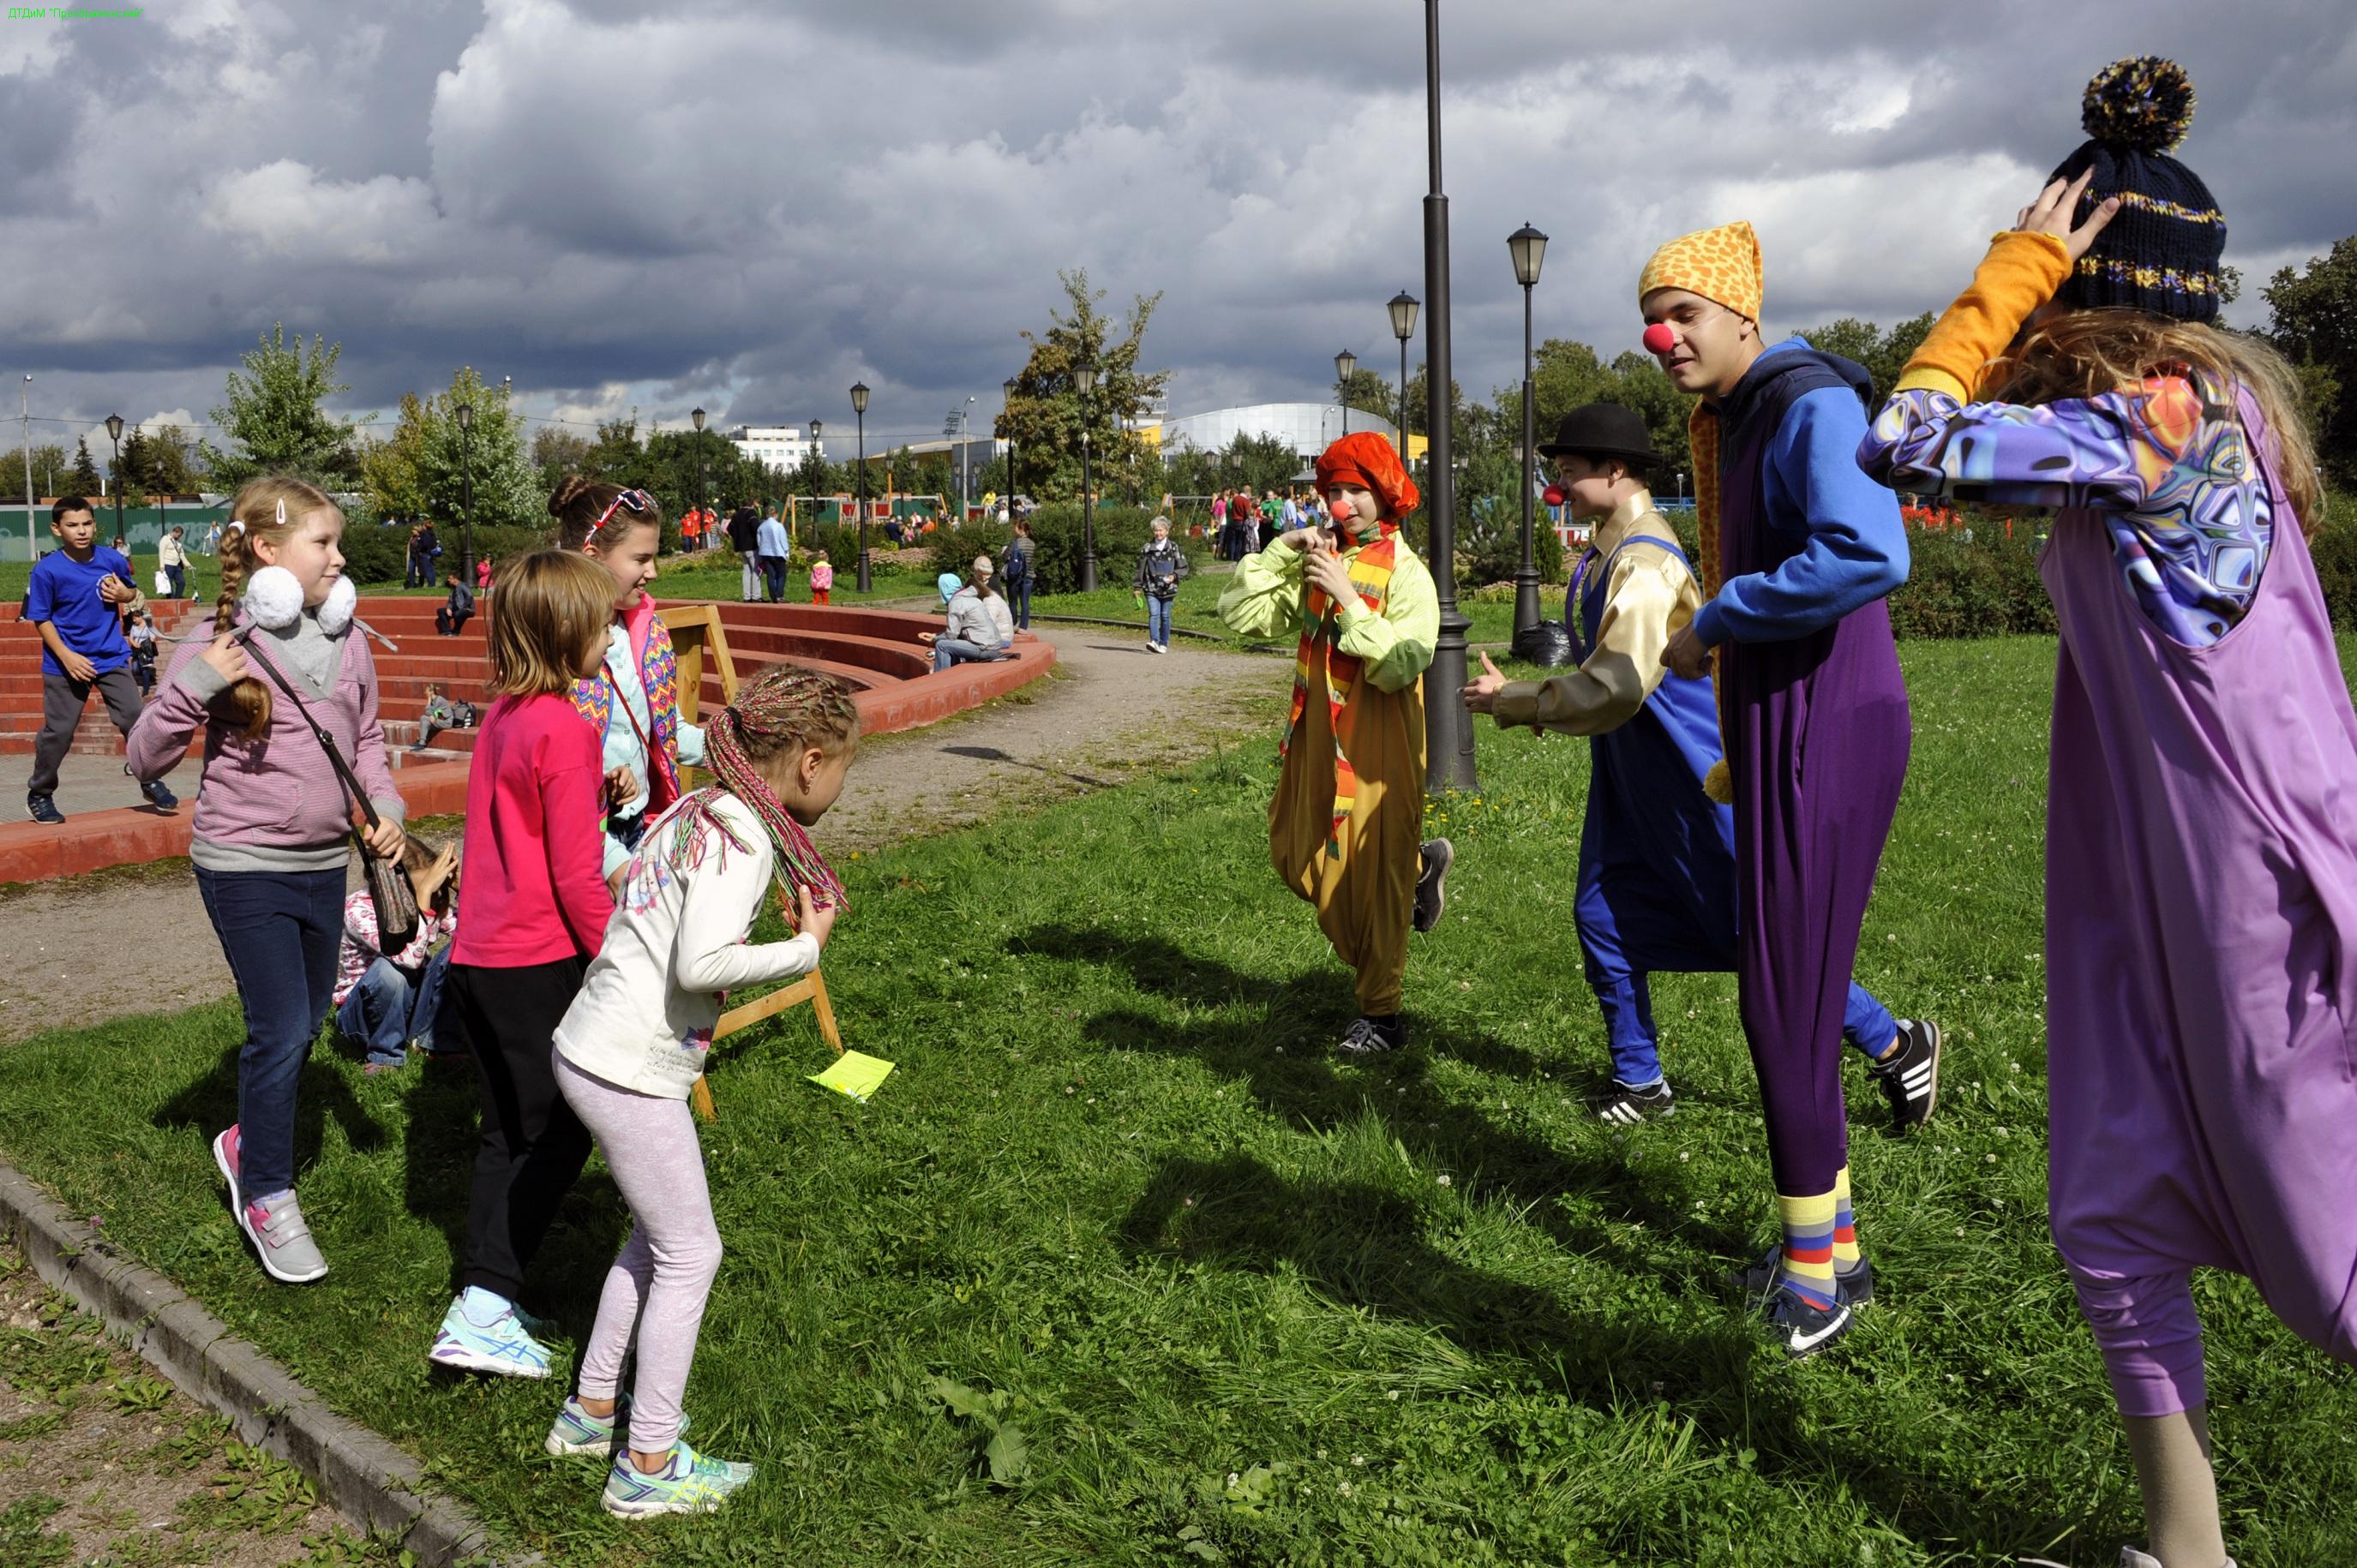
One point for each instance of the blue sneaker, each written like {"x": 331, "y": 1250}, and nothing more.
{"x": 503, "y": 1349}
{"x": 577, "y": 1432}
{"x": 688, "y": 1483}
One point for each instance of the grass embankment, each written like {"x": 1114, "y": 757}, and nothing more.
{"x": 1230, "y": 1298}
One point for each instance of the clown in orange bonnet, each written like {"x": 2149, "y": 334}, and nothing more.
{"x": 1345, "y": 828}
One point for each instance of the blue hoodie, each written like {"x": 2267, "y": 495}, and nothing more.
{"x": 1854, "y": 546}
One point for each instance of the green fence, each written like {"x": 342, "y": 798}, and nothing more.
{"x": 26, "y": 539}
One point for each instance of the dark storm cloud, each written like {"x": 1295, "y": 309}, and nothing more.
{"x": 747, "y": 206}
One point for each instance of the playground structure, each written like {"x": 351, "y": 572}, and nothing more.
{"x": 875, "y": 652}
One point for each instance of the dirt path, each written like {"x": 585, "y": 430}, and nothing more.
{"x": 136, "y": 939}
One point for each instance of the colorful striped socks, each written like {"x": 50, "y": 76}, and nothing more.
{"x": 1808, "y": 1263}
{"x": 1844, "y": 1223}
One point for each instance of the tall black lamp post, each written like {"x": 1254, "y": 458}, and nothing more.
{"x": 1086, "y": 378}
{"x": 703, "y": 482}
{"x": 1528, "y": 247}
{"x": 114, "y": 434}
{"x": 1344, "y": 363}
{"x": 1448, "y": 726}
{"x": 817, "y": 468}
{"x": 466, "y": 416}
{"x": 1403, "y": 309}
{"x": 1008, "y": 418}
{"x": 859, "y": 407}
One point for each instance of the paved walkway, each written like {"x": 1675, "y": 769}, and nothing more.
{"x": 136, "y": 939}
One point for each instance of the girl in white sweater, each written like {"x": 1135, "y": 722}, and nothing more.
{"x": 634, "y": 1041}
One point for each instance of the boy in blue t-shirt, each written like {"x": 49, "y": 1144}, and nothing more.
{"x": 75, "y": 601}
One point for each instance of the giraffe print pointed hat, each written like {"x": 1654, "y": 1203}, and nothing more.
{"x": 1721, "y": 264}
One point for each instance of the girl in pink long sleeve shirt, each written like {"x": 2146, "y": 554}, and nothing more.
{"x": 532, "y": 907}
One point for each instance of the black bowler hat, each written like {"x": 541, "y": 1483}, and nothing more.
{"x": 1603, "y": 430}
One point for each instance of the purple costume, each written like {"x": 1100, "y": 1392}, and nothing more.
{"x": 2201, "y": 871}
{"x": 1815, "y": 713}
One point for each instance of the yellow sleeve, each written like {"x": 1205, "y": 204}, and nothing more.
{"x": 1395, "y": 647}
{"x": 2019, "y": 274}
{"x": 1265, "y": 597}
{"x": 1650, "y": 597}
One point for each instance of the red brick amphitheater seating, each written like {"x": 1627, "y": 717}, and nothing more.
{"x": 877, "y": 651}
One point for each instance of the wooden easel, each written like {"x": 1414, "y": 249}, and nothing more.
{"x": 696, "y": 634}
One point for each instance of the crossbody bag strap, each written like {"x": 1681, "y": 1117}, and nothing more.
{"x": 326, "y": 743}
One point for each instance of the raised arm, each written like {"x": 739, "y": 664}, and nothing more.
{"x": 1264, "y": 598}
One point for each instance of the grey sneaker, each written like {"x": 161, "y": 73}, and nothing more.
{"x": 1432, "y": 882}
{"x": 281, "y": 1240}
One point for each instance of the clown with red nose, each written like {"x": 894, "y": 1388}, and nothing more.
{"x": 1345, "y": 828}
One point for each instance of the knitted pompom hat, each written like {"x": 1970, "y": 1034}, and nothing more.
{"x": 2160, "y": 251}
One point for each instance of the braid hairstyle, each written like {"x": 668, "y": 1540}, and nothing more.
{"x": 785, "y": 710}
{"x": 268, "y": 507}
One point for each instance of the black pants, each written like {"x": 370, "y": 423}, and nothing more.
{"x": 62, "y": 701}
{"x": 533, "y": 1146}
{"x": 448, "y": 625}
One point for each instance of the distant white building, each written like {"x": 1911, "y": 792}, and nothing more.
{"x": 1308, "y": 428}
{"x": 779, "y": 445}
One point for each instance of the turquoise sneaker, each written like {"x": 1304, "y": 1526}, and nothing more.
{"x": 503, "y": 1349}
{"x": 689, "y": 1483}
{"x": 575, "y": 1431}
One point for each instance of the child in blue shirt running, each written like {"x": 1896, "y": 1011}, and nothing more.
{"x": 74, "y": 601}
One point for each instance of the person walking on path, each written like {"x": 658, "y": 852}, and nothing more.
{"x": 1161, "y": 567}
{"x": 2200, "y": 844}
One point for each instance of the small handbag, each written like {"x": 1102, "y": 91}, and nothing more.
{"x": 397, "y": 919}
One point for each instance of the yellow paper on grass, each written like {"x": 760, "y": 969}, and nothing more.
{"x": 855, "y": 1075}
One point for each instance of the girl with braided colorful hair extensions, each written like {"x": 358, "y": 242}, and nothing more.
{"x": 634, "y": 1042}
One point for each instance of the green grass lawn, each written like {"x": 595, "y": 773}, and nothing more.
{"x": 1218, "y": 1295}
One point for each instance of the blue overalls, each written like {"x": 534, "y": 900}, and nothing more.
{"x": 1657, "y": 857}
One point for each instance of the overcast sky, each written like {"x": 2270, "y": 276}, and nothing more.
{"x": 749, "y": 207}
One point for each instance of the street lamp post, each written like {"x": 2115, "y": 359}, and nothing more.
{"x": 114, "y": 434}
{"x": 703, "y": 482}
{"x": 1344, "y": 363}
{"x": 465, "y": 416}
{"x": 1448, "y": 726}
{"x": 1403, "y": 309}
{"x": 1086, "y": 378}
{"x": 1007, "y": 416}
{"x": 1528, "y": 247}
{"x": 817, "y": 468}
{"x": 859, "y": 407}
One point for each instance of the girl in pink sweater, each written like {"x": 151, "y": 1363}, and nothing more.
{"x": 273, "y": 823}
{"x": 532, "y": 907}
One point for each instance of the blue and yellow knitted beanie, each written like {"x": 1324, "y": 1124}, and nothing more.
{"x": 2160, "y": 252}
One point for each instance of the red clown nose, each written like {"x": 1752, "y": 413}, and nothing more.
{"x": 1659, "y": 339}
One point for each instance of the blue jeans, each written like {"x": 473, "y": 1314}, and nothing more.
{"x": 386, "y": 1009}
{"x": 1018, "y": 599}
{"x": 178, "y": 577}
{"x": 280, "y": 932}
{"x": 1157, "y": 619}
{"x": 774, "y": 577}
{"x": 951, "y": 651}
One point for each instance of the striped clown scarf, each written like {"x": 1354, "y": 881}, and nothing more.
{"x": 1336, "y": 671}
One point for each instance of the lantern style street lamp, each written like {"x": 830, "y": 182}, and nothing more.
{"x": 1403, "y": 309}
{"x": 114, "y": 434}
{"x": 1528, "y": 248}
{"x": 859, "y": 407}
{"x": 465, "y": 413}
{"x": 1344, "y": 363}
{"x": 1086, "y": 378}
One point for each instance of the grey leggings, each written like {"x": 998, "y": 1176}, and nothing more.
{"x": 659, "y": 1284}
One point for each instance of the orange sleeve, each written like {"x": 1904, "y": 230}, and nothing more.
{"x": 2019, "y": 274}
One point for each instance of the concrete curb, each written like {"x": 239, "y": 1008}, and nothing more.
{"x": 359, "y": 1474}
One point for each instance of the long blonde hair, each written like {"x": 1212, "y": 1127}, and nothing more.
{"x": 269, "y": 507}
{"x": 2091, "y": 353}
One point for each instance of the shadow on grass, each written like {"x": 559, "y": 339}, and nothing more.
{"x": 209, "y": 1103}
{"x": 1363, "y": 1246}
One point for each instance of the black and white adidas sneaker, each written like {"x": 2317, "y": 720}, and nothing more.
{"x": 1910, "y": 1076}
{"x": 1626, "y": 1107}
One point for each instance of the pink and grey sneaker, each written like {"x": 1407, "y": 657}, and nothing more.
{"x": 225, "y": 1156}
{"x": 281, "y": 1240}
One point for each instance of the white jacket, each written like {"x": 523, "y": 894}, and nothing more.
{"x": 644, "y": 1017}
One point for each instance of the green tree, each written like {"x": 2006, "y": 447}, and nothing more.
{"x": 1369, "y": 391}
{"x": 1044, "y": 417}
{"x": 556, "y": 452}
{"x": 426, "y": 466}
{"x": 274, "y": 422}
{"x": 85, "y": 471}
{"x": 1884, "y": 354}
{"x": 2313, "y": 321}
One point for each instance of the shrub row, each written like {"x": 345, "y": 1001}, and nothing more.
{"x": 1121, "y": 532}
